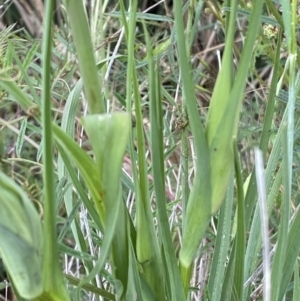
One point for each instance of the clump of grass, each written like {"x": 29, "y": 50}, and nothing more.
{"x": 155, "y": 198}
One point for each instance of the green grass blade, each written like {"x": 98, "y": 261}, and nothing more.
{"x": 227, "y": 287}
{"x": 68, "y": 125}
{"x": 223, "y": 239}
{"x": 175, "y": 283}
{"x": 289, "y": 19}
{"x": 135, "y": 287}
{"x": 219, "y": 133}
{"x": 272, "y": 185}
{"x": 266, "y": 131}
{"x": 78, "y": 185}
{"x": 226, "y": 128}
{"x": 196, "y": 221}
{"x": 91, "y": 288}
{"x": 250, "y": 198}
{"x": 280, "y": 252}
{"x": 241, "y": 231}
{"x": 261, "y": 188}
{"x": 292, "y": 252}
{"x": 53, "y": 281}
{"x": 83, "y": 43}
{"x": 157, "y": 151}
{"x": 85, "y": 165}
{"x": 296, "y": 290}
{"x": 108, "y": 136}
{"x": 20, "y": 97}
{"x": 149, "y": 250}
{"x": 21, "y": 135}
{"x": 30, "y": 56}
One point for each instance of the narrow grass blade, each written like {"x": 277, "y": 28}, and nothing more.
{"x": 222, "y": 243}
{"x": 147, "y": 243}
{"x": 91, "y": 288}
{"x": 241, "y": 231}
{"x": 83, "y": 43}
{"x": 296, "y": 290}
{"x": 250, "y": 198}
{"x": 21, "y": 135}
{"x": 280, "y": 252}
{"x": 272, "y": 185}
{"x": 292, "y": 252}
{"x": 53, "y": 281}
{"x": 227, "y": 287}
{"x": 85, "y": 165}
{"x": 20, "y": 97}
{"x": 199, "y": 204}
{"x": 79, "y": 186}
{"x": 175, "y": 281}
{"x": 68, "y": 125}
{"x": 147, "y": 248}
{"x": 30, "y": 56}
{"x": 289, "y": 19}
{"x": 259, "y": 170}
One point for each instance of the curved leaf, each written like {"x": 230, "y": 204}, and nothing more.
{"x": 20, "y": 239}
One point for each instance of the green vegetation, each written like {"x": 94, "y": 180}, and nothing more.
{"x": 139, "y": 164}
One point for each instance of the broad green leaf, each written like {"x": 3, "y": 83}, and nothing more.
{"x": 22, "y": 262}
{"x": 108, "y": 134}
{"x": 20, "y": 239}
{"x": 223, "y": 117}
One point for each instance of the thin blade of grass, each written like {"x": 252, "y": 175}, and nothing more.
{"x": 199, "y": 204}
{"x": 21, "y": 135}
{"x": 79, "y": 187}
{"x": 227, "y": 287}
{"x": 280, "y": 252}
{"x": 86, "y": 166}
{"x": 222, "y": 243}
{"x": 296, "y": 290}
{"x": 53, "y": 281}
{"x": 83, "y": 43}
{"x": 241, "y": 231}
{"x": 176, "y": 288}
{"x": 154, "y": 273}
{"x": 68, "y": 125}
{"x": 147, "y": 248}
{"x": 91, "y": 288}
{"x": 259, "y": 169}
{"x": 289, "y": 19}
{"x": 292, "y": 252}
